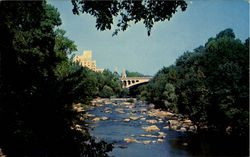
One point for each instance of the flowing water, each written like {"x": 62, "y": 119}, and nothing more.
{"x": 114, "y": 130}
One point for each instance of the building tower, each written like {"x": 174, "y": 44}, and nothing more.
{"x": 124, "y": 75}
{"x": 86, "y": 61}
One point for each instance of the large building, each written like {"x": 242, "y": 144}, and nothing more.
{"x": 86, "y": 61}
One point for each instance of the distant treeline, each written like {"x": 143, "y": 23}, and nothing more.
{"x": 134, "y": 74}
{"x": 209, "y": 85}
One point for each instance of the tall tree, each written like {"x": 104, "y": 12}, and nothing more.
{"x": 36, "y": 95}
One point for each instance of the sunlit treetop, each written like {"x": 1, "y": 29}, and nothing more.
{"x": 147, "y": 11}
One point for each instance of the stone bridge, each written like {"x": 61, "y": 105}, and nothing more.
{"x": 128, "y": 82}
{"x": 131, "y": 81}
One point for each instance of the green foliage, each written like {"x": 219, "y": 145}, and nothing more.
{"x": 131, "y": 100}
{"x": 124, "y": 92}
{"x": 128, "y": 11}
{"x": 39, "y": 84}
{"x": 106, "y": 92}
{"x": 133, "y": 74}
{"x": 210, "y": 85}
{"x": 169, "y": 97}
{"x": 108, "y": 84}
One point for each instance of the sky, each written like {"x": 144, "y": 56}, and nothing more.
{"x": 135, "y": 51}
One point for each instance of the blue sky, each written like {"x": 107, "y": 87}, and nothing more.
{"x": 133, "y": 50}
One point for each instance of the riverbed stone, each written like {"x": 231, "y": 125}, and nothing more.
{"x": 174, "y": 127}
{"x": 183, "y": 129}
{"x": 107, "y": 108}
{"x": 173, "y": 122}
{"x": 98, "y": 105}
{"x": 104, "y": 118}
{"x": 160, "y": 121}
{"x": 143, "y": 118}
{"x": 131, "y": 140}
{"x": 187, "y": 121}
{"x": 134, "y": 118}
{"x": 146, "y": 142}
{"x": 162, "y": 134}
{"x": 126, "y": 120}
{"x": 151, "y": 121}
{"x": 90, "y": 115}
{"x": 96, "y": 119}
{"x": 151, "y": 105}
{"x": 151, "y": 128}
{"x": 119, "y": 110}
{"x": 148, "y": 135}
{"x": 143, "y": 110}
{"x": 160, "y": 140}
{"x": 166, "y": 127}
{"x": 108, "y": 111}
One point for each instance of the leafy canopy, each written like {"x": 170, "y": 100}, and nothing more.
{"x": 135, "y": 11}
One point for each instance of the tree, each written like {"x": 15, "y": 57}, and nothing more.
{"x": 39, "y": 84}
{"x": 133, "y": 74}
{"x": 209, "y": 85}
{"x": 128, "y": 11}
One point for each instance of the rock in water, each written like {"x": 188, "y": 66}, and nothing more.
{"x": 126, "y": 120}
{"x": 160, "y": 140}
{"x": 104, "y": 118}
{"x": 151, "y": 121}
{"x": 162, "y": 134}
{"x": 134, "y": 118}
{"x": 96, "y": 119}
{"x": 166, "y": 127}
{"x": 123, "y": 147}
{"x": 130, "y": 140}
{"x": 151, "y": 128}
{"x": 146, "y": 142}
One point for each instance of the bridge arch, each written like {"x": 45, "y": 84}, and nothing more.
{"x": 132, "y": 81}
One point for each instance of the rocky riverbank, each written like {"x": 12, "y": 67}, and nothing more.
{"x": 145, "y": 114}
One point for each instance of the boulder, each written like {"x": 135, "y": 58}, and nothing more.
{"x": 104, "y": 118}
{"x": 173, "y": 122}
{"x": 130, "y": 140}
{"x": 108, "y": 111}
{"x": 151, "y": 128}
{"x": 146, "y": 142}
{"x": 126, "y": 120}
{"x": 166, "y": 127}
{"x": 89, "y": 115}
{"x": 143, "y": 119}
{"x": 175, "y": 127}
{"x": 187, "y": 121}
{"x": 134, "y": 118}
{"x": 119, "y": 110}
{"x": 151, "y": 105}
{"x": 151, "y": 121}
{"x": 96, "y": 119}
{"x": 162, "y": 134}
{"x": 148, "y": 135}
{"x": 143, "y": 110}
{"x": 160, "y": 140}
{"x": 183, "y": 129}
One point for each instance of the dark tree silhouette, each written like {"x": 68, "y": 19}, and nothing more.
{"x": 128, "y": 11}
